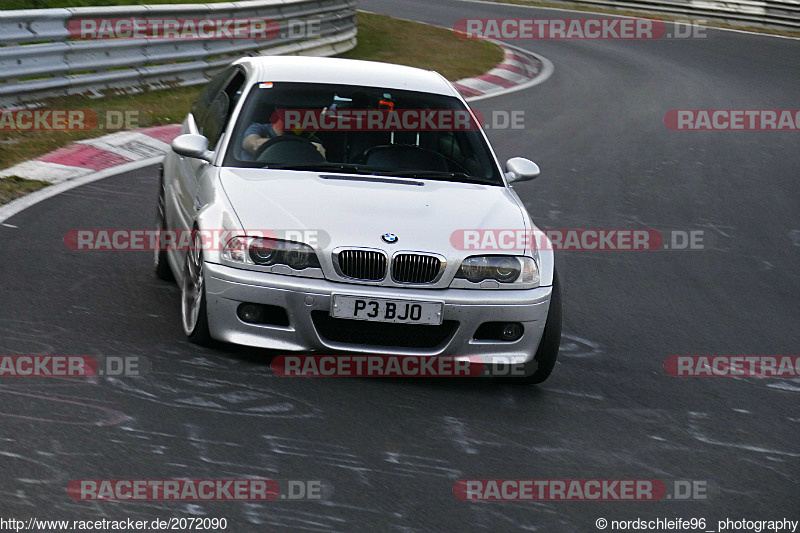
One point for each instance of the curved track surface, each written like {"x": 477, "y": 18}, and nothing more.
{"x": 392, "y": 449}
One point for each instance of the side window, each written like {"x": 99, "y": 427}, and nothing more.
{"x": 235, "y": 89}
{"x": 212, "y": 101}
{"x": 213, "y": 125}
{"x": 221, "y": 109}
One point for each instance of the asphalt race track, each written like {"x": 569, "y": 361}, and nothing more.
{"x": 390, "y": 451}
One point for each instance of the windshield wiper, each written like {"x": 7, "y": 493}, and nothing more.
{"x": 446, "y": 176}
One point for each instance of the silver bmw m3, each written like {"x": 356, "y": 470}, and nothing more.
{"x": 344, "y": 206}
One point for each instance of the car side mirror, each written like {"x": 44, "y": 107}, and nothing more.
{"x": 192, "y": 145}
{"x": 521, "y": 169}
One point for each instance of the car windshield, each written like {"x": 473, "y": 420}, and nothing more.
{"x": 360, "y": 130}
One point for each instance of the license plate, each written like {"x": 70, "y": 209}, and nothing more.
{"x": 383, "y": 310}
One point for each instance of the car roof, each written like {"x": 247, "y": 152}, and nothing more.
{"x": 344, "y": 71}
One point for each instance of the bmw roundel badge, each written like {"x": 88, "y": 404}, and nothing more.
{"x": 389, "y": 238}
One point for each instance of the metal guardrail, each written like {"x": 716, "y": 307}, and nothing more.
{"x": 39, "y": 58}
{"x": 775, "y": 14}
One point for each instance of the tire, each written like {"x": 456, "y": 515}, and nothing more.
{"x": 160, "y": 261}
{"x": 193, "y": 297}
{"x": 547, "y": 353}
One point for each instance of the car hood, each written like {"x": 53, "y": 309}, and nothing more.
{"x": 351, "y": 210}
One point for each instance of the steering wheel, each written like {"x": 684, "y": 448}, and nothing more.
{"x": 279, "y": 139}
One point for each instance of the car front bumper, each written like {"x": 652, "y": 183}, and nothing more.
{"x": 305, "y": 298}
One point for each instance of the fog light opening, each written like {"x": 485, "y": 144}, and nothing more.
{"x": 250, "y": 313}
{"x": 512, "y": 331}
{"x": 499, "y": 331}
{"x": 263, "y": 314}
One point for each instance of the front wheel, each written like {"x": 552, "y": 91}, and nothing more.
{"x": 193, "y": 296}
{"x": 546, "y": 354}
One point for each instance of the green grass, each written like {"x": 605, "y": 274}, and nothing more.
{"x": 13, "y": 187}
{"x": 379, "y": 39}
{"x": 392, "y": 40}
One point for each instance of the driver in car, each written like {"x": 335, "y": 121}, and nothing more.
{"x": 257, "y": 134}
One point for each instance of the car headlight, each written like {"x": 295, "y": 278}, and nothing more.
{"x": 501, "y": 268}
{"x": 269, "y": 252}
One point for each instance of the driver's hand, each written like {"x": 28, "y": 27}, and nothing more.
{"x": 253, "y": 142}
